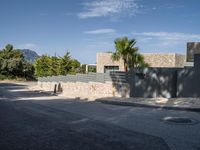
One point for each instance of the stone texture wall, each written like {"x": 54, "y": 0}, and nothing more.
{"x": 104, "y": 59}
{"x": 180, "y": 60}
{"x": 90, "y": 90}
{"x": 160, "y": 60}
{"x": 169, "y": 60}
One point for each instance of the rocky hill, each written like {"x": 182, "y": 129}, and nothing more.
{"x": 30, "y": 55}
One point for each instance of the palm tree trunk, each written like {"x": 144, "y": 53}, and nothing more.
{"x": 125, "y": 66}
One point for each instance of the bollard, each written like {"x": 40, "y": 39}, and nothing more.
{"x": 55, "y": 87}
{"x": 59, "y": 88}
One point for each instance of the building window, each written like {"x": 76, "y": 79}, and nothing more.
{"x": 110, "y": 68}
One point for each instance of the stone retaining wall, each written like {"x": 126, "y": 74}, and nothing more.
{"x": 90, "y": 90}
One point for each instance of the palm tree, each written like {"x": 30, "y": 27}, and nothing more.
{"x": 126, "y": 50}
{"x": 137, "y": 61}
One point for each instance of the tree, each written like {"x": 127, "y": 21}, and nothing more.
{"x": 65, "y": 64}
{"x": 126, "y": 50}
{"x": 68, "y": 65}
{"x": 53, "y": 66}
{"x": 28, "y": 70}
{"x": 75, "y": 66}
{"x": 137, "y": 61}
{"x": 42, "y": 66}
{"x": 15, "y": 67}
{"x": 9, "y": 52}
{"x": 12, "y": 63}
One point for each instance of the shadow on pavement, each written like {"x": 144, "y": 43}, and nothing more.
{"x": 15, "y": 91}
{"x": 26, "y": 125}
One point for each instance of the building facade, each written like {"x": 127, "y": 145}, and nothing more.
{"x": 169, "y": 60}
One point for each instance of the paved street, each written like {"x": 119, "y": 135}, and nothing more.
{"x": 33, "y": 120}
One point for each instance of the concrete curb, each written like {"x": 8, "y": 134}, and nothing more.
{"x": 125, "y": 103}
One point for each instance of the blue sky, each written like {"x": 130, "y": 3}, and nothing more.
{"x": 85, "y": 27}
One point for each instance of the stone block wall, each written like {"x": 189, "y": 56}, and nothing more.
{"x": 89, "y": 90}
{"x": 180, "y": 60}
{"x": 160, "y": 60}
{"x": 169, "y": 60}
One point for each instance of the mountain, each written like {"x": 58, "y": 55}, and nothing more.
{"x": 30, "y": 55}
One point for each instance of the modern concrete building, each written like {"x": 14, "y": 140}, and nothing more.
{"x": 104, "y": 63}
{"x": 169, "y": 60}
{"x": 162, "y": 60}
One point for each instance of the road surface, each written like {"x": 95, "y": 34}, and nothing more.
{"x": 32, "y": 120}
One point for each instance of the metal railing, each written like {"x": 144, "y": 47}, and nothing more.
{"x": 115, "y": 76}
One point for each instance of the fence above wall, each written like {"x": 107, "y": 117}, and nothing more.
{"x": 114, "y": 76}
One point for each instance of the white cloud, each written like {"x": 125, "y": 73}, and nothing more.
{"x": 167, "y": 6}
{"x": 101, "y": 45}
{"x": 100, "y": 31}
{"x": 168, "y": 36}
{"x": 102, "y": 8}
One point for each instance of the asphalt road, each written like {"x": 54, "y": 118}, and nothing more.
{"x": 31, "y": 121}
